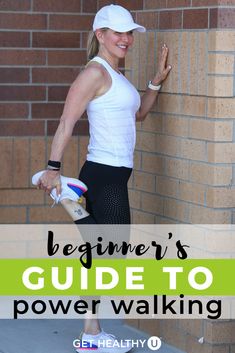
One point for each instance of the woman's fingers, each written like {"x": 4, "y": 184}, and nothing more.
{"x": 164, "y": 54}
{"x": 47, "y": 184}
{"x": 163, "y": 68}
{"x": 58, "y": 189}
{"x": 44, "y": 186}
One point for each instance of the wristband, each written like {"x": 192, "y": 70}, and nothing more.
{"x": 54, "y": 164}
{"x": 53, "y": 169}
{"x": 153, "y": 87}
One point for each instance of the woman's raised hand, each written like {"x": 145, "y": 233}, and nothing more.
{"x": 163, "y": 68}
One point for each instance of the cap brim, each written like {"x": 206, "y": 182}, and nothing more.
{"x": 123, "y": 28}
{"x": 132, "y": 27}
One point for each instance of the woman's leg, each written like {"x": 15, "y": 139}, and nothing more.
{"x": 107, "y": 203}
{"x": 107, "y": 196}
{"x": 74, "y": 209}
{"x": 78, "y": 214}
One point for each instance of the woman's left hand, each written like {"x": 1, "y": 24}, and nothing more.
{"x": 163, "y": 68}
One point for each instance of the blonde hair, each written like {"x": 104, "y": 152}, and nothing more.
{"x": 93, "y": 46}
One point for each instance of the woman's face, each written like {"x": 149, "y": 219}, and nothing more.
{"x": 115, "y": 43}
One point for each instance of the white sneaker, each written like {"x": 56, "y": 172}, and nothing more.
{"x": 102, "y": 343}
{"x": 71, "y": 188}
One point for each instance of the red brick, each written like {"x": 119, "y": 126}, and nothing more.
{"x": 170, "y": 19}
{"x": 131, "y": 5}
{"x": 226, "y": 2}
{"x": 57, "y": 94}
{"x": 22, "y": 21}
{"x": 14, "y": 75}
{"x": 147, "y": 19}
{"x": 47, "y": 110}
{"x": 54, "y": 75}
{"x": 195, "y": 18}
{"x": 222, "y": 18}
{"x": 89, "y": 6}
{"x": 56, "y": 40}
{"x": 178, "y": 3}
{"x": 22, "y": 93}
{"x": 14, "y": 39}
{"x": 84, "y": 37}
{"x": 21, "y": 128}
{"x": 71, "y": 22}
{"x": 22, "y": 57}
{"x": 204, "y": 3}
{"x": 13, "y": 110}
{"x": 155, "y": 4}
{"x": 102, "y": 3}
{"x": 13, "y": 5}
{"x": 214, "y": 18}
{"x": 81, "y": 127}
{"x": 52, "y": 125}
{"x": 67, "y": 57}
{"x": 211, "y": 2}
{"x": 57, "y": 6}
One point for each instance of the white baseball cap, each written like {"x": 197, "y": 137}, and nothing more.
{"x": 116, "y": 18}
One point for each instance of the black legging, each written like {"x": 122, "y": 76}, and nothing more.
{"x": 107, "y": 196}
{"x": 108, "y": 203}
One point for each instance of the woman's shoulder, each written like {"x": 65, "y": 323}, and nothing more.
{"x": 95, "y": 68}
{"x": 95, "y": 72}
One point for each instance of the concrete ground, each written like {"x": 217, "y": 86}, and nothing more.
{"x": 56, "y": 336}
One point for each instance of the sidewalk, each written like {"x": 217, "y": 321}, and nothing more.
{"x": 56, "y": 336}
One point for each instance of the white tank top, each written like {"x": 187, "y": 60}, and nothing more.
{"x": 112, "y": 122}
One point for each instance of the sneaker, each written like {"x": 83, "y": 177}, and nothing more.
{"x": 71, "y": 188}
{"x": 102, "y": 343}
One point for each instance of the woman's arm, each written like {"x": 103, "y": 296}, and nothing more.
{"x": 87, "y": 85}
{"x": 149, "y": 97}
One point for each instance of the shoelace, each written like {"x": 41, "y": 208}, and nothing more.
{"x": 108, "y": 335}
{"x": 55, "y": 202}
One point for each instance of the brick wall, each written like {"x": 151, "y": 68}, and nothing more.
{"x": 43, "y": 48}
{"x": 185, "y": 153}
{"x": 185, "y": 145}
{"x": 184, "y": 161}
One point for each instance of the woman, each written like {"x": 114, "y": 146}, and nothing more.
{"x": 113, "y": 105}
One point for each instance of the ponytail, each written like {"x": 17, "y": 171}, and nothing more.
{"x": 92, "y": 46}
